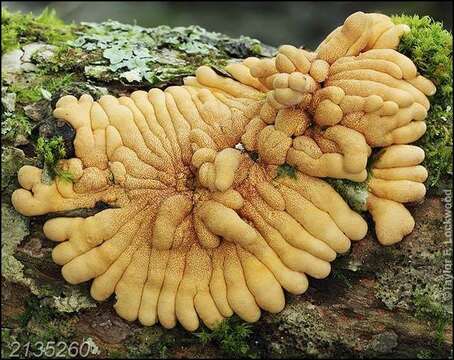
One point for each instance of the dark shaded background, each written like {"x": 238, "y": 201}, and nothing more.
{"x": 273, "y": 22}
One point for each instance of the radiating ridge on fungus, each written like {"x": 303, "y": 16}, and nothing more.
{"x": 197, "y": 230}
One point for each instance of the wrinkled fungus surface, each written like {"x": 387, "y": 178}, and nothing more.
{"x": 199, "y": 229}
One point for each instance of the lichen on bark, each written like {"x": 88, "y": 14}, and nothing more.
{"x": 14, "y": 230}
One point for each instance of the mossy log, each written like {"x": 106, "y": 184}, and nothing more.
{"x": 378, "y": 301}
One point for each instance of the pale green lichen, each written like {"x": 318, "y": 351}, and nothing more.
{"x": 8, "y": 100}
{"x": 15, "y": 228}
{"x": 12, "y": 160}
{"x": 156, "y": 55}
{"x": 415, "y": 278}
{"x": 414, "y": 270}
{"x": 306, "y": 332}
{"x": 72, "y": 301}
{"x": 94, "y": 349}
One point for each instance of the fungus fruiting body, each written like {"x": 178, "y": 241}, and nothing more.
{"x": 197, "y": 229}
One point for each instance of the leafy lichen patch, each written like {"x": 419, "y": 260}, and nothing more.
{"x": 14, "y": 230}
{"x": 12, "y": 160}
{"x": 301, "y": 328}
{"x": 72, "y": 300}
{"x": 155, "y": 56}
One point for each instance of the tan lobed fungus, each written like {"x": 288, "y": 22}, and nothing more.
{"x": 196, "y": 228}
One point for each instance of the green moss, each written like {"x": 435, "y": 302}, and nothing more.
{"x": 431, "y": 310}
{"x": 7, "y": 340}
{"x": 286, "y": 170}
{"x": 232, "y": 336}
{"x": 161, "y": 348}
{"x": 57, "y": 83}
{"x": 152, "y": 342}
{"x": 429, "y": 45}
{"x": 354, "y": 193}
{"x": 20, "y": 29}
{"x": 256, "y": 49}
{"x": 26, "y": 94}
{"x": 425, "y": 354}
{"x": 40, "y": 87}
{"x": 39, "y": 324}
{"x": 49, "y": 152}
{"x": 14, "y": 125}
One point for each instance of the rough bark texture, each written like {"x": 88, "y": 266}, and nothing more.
{"x": 377, "y": 302}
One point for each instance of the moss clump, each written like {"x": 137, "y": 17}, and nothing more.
{"x": 286, "y": 170}
{"x": 431, "y": 310}
{"x": 15, "y": 126}
{"x": 7, "y": 340}
{"x": 231, "y": 335}
{"x": 26, "y": 94}
{"x": 20, "y": 29}
{"x": 49, "y": 152}
{"x": 43, "y": 86}
{"x": 40, "y": 324}
{"x": 429, "y": 46}
{"x": 354, "y": 193}
{"x": 148, "y": 343}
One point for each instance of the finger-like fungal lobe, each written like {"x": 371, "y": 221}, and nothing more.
{"x": 198, "y": 229}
